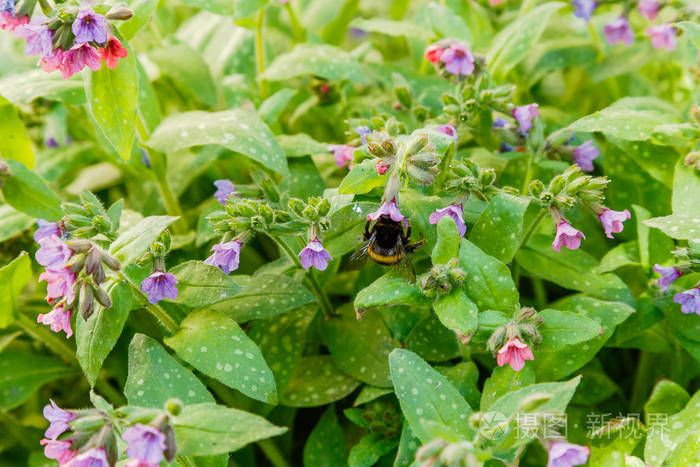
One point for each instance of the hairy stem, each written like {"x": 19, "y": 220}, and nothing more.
{"x": 260, "y": 52}
{"x": 533, "y": 227}
{"x": 272, "y": 452}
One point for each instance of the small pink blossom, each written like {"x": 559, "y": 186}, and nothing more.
{"x": 525, "y": 114}
{"x": 58, "y": 450}
{"x": 314, "y": 255}
{"x": 612, "y": 221}
{"x": 454, "y": 211}
{"x": 493, "y": 3}
{"x": 514, "y": 353}
{"x": 567, "y": 236}
{"x": 619, "y": 31}
{"x": 563, "y": 454}
{"x": 390, "y": 209}
{"x": 78, "y": 57}
{"x": 342, "y": 153}
{"x": 448, "y": 130}
{"x": 94, "y": 457}
{"x": 59, "y": 284}
{"x": 112, "y": 52}
{"x": 58, "y": 319}
{"x": 382, "y": 168}
{"x": 53, "y": 252}
{"x": 458, "y": 60}
{"x": 58, "y": 419}
{"x": 433, "y": 52}
{"x": 648, "y": 8}
{"x": 663, "y": 36}
{"x": 8, "y": 22}
{"x": 146, "y": 444}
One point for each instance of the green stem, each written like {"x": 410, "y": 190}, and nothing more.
{"x": 16, "y": 430}
{"x": 42, "y": 334}
{"x": 533, "y": 227}
{"x": 540, "y": 293}
{"x": 273, "y": 453}
{"x": 110, "y": 393}
{"x": 297, "y": 28}
{"x": 156, "y": 310}
{"x": 260, "y": 52}
{"x": 596, "y": 41}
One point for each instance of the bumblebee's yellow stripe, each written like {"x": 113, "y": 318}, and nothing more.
{"x": 384, "y": 259}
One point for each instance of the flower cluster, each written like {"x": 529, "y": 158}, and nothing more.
{"x": 453, "y": 57}
{"x": 509, "y": 343}
{"x": 689, "y": 259}
{"x": 160, "y": 284}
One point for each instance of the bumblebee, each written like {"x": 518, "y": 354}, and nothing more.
{"x": 387, "y": 244}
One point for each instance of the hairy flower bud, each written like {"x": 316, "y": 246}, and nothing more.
{"x": 86, "y": 300}
{"x": 297, "y": 206}
{"x": 324, "y": 207}
{"x": 557, "y": 184}
{"x": 535, "y": 188}
{"x": 102, "y": 297}
{"x": 417, "y": 144}
{"x": 119, "y": 12}
{"x": 111, "y": 262}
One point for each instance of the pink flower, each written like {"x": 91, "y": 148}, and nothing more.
{"x": 46, "y": 229}
{"x": 612, "y": 221}
{"x": 563, "y": 454}
{"x": 53, "y": 253}
{"x": 160, "y": 285}
{"x": 668, "y": 276}
{"x": 448, "y": 130}
{"x": 458, "y": 60}
{"x": 584, "y": 155}
{"x": 525, "y": 114}
{"x": 226, "y": 256}
{"x": 433, "y": 53}
{"x": 314, "y": 255}
{"x": 146, "y": 443}
{"x": 663, "y": 36}
{"x": 224, "y": 190}
{"x": 78, "y": 57}
{"x": 514, "y": 353}
{"x": 59, "y": 320}
{"x": 567, "y": 236}
{"x": 57, "y": 449}
{"x": 38, "y": 38}
{"x": 381, "y": 168}
{"x": 8, "y": 22}
{"x": 619, "y": 31}
{"x": 112, "y": 52}
{"x": 59, "y": 284}
{"x": 58, "y": 419}
{"x": 454, "y": 211}
{"x": 343, "y": 154}
{"x": 53, "y": 62}
{"x": 648, "y": 8}
{"x": 387, "y": 209}
{"x": 495, "y": 2}
{"x": 689, "y": 300}
{"x": 94, "y": 457}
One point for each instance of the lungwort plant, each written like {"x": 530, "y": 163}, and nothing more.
{"x": 326, "y": 233}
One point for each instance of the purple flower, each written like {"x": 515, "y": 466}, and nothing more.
{"x": 58, "y": 419}
{"x": 342, "y": 153}
{"x": 58, "y": 449}
{"x": 619, "y": 31}
{"x": 499, "y": 122}
{"x": 363, "y": 131}
{"x": 224, "y": 190}
{"x": 525, "y": 114}
{"x": 314, "y": 255}
{"x": 78, "y": 57}
{"x": 668, "y": 276}
{"x": 584, "y": 8}
{"x": 584, "y": 155}
{"x": 648, "y": 8}
{"x": 689, "y": 300}
{"x": 387, "y": 209}
{"x": 90, "y": 27}
{"x": 7, "y": 6}
{"x": 663, "y": 36}
{"x": 146, "y": 443}
{"x": 226, "y": 256}
{"x": 94, "y": 457}
{"x": 53, "y": 252}
{"x": 567, "y": 236}
{"x": 455, "y": 212}
{"x": 144, "y": 159}
{"x": 159, "y": 285}
{"x": 612, "y": 221}
{"x": 46, "y": 229}
{"x": 38, "y": 38}
{"x": 448, "y": 130}
{"x": 458, "y": 60}
{"x": 563, "y": 454}
{"x": 51, "y": 142}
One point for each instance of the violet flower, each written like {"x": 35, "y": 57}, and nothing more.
{"x": 563, "y": 454}
{"x": 612, "y": 220}
{"x": 93, "y": 457}
{"x": 668, "y": 276}
{"x": 584, "y": 8}
{"x": 53, "y": 253}
{"x": 224, "y": 190}
{"x": 90, "y": 27}
{"x": 514, "y": 353}
{"x": 619, "y": 31}
{"x": 146, "y": 443}
{"x": 584, "y": 155}
{"x": 663, "y": 36}
{"x": 390, "y": 209}
{"x": 314, "y": 255}
{"x": 455, "y": 212}
{"x": 58, "y": 320}
{"x": 342, "y": 153}
{"x": 58, "y": 420}
{"x": 226, "y": 256}
{"x": 46, "y": 229}
{"x": 689, "y": 300}
{"x": 525, "y": 114}
{"x": 59, "y": 284}
{"x": 448, "y": 130}
{"x": 58, "y": 450}
{"x": 648, "y": 8}
{"x": 567, "y": 236}
{"x": 363, "y": 131}
{"x": 458, "y": 60}
{"x": 160, "y": 285}
{"x": 38, "y": 38}
{"x": 7, "y": 6}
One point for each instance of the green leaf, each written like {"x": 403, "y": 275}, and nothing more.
{"x": 13, "y": 277}
{"x": 220, "y": 7}
{"x": 200, "y": 284}
{"x": 273, "y": 106}
{"x": 504, "y": 380}
{"x": 135, "y": 241}
{"x": 664, "y": 438}
{"x": 13, "y": 222}
{"x": 23, "y": 88}
{"x": 626, "y": 124}
{"x": 516, "y": 40}
{"x": 267, "y": 296}
{"x": 155, "y": 376}
{"x": 238, "y": 130}
{"x": 613, "y": 441}
{"x": 446, "y": 22}
{"x": 95, "y": 338}
{"x": 447, "y": 245}
{"x": 392, "y": 28}
{"x": 389, "y": 290}
{"x": 369, "y": 449}
{"x": 560, "y": 395}
{"x": 370, "y": 393}
{"x": 347, "y": 226}
{"x": 362, "y": 178}
{"x": 22, "y": 374}
{"x": 624, "y": 254}
{"x": 488, "y": 281}
{"x": 14, "y": 142}
{"x": 693, "y": 31}
{"x": 456, "y": 312}
{"x": 325, "y": 446}
{"x": 305, "y": 180}
{"x": 316, "y": 382}
{"x": 433, "y": 341}
{"x": 143, "y": 10}
{"x": 227, "y": 354}
{"x": 499, "y": 230}
{"x": 300, "y": 145}
{"x": 408, "y": 445}
{"x": 113, "y": 97}
{"x": 563, "y": 328}
{"x": 325, "y": 61}
{"x": 688, "y": 450}
{"x": 359, "y": 348}
{"x": 207, "y": 429}
{"x": 428, "y": 400}
{"x": 678, "y": 226}
{"x": 686, "y": 190}
{"x": 27, "y": 192}
{"x": 188, "y": 70}
{"x": 666, "y": 398}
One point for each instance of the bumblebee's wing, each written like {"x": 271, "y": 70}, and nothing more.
{"x": 360, "y": 257}
{"x": 405, "y": 267}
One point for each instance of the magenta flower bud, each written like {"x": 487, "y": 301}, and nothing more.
{"x": 59, "y": 284}
{"x": 514, "y": 353}
{"x": 648, "y": 8}
{"x": 224, "y": 190}
{"x": 59, "y": 450}
{"x": 584, "y": 155}
{"x": 612, "y": 221}
{"x": 448, "y": 130}
{"x": 584, "y": 8}
{"x": 387, "y": 209}
{"x": 58, "y": 420}
{"x": 38, "y": 38}
{"x": 94, "y": 457}
{"x": 567, "y": 236}
{"x": 455, "y": 212}
{"x": 563, "y": 454}
{"x": 159, "y": 285}
{"x": 46, "y": 229}
{"x": 226, "y": 256}
{"x": 689, "y": 300}
{"x": 146, "y": 444}
{"x": 619, "y": 31}
{"x": 58, "y": 319}
{"x": 53, "y": 253}
{"x": 90, "y": 27}
{"x": 314, "y": 255}
{"x": 525, "y": 114}
{"x": 342, "y": 153}
{"x": 663, "y": 36}
{"x": 433, "y": 53}
{"x": 458, "y": 60}
{"x": 668, "y": 276}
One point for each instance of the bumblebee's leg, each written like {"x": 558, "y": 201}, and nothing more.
{"x": 411, "y": 247}
{"x": 367, "y": 234}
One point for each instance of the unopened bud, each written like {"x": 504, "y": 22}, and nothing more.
{"x": 536, "y": 188}
{"x": 389, "y": 147}
{"x": 297, "y": 206}
{"x": 257, "y": 222}
{"x": 557, "y": 184}
{"x": 174, "y": 406}
{"x": 267, "y": 213}
{"x": 119, "y": 12}
{"x": 693, "y": 158}
{"x": 86, "y": 299}
{"x": 578, "y": 184}
{"x": 424, "y": 160}
{"x": 170, "y": 446}
{"x": 417, "y": 143}
{"x": 102, "y": 297}
{"x": 80, "y": 246}
{"x": 420, "y": 176}
{"x": 488, "y": 176}
{"x": 246, "y": 210}
{"x": 111, "y": 262}
{"x": 324, "y": 207}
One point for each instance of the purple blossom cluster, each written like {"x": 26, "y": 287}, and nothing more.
{"x": 452, "y": 56}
